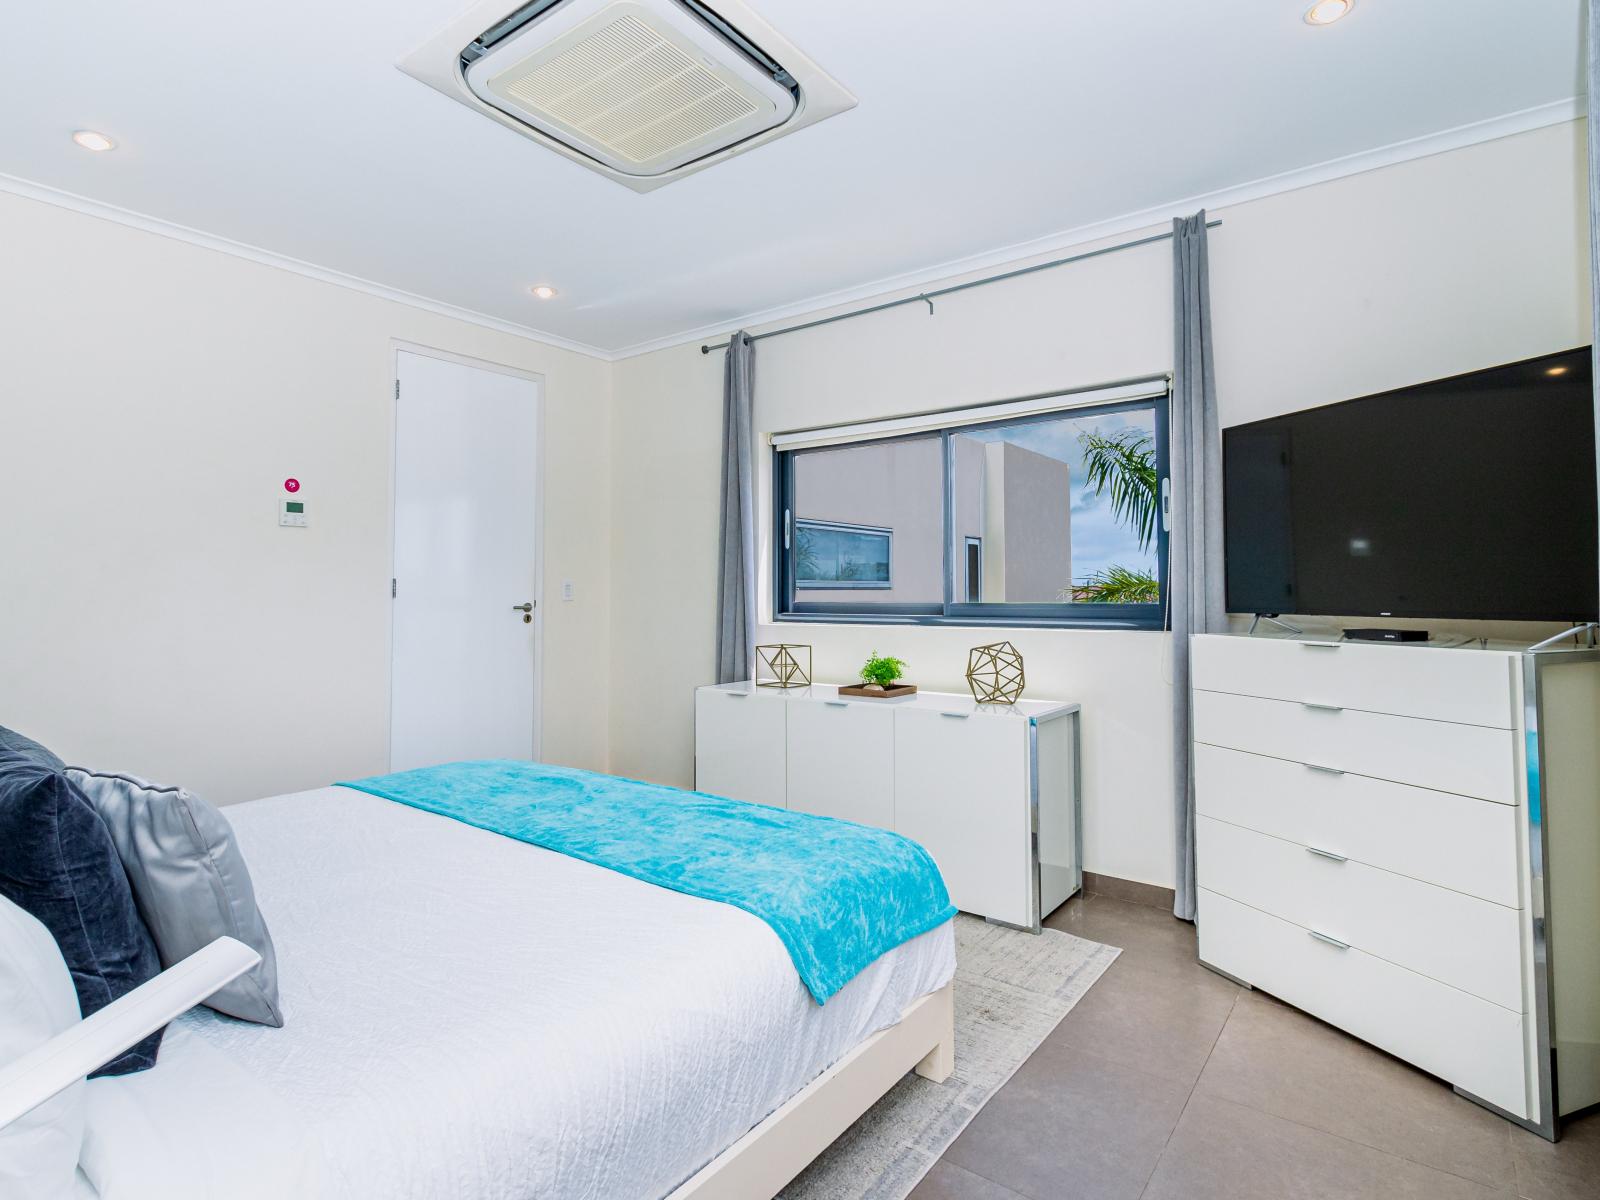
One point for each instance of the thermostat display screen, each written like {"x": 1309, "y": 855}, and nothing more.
{"x": 294, "y": 506}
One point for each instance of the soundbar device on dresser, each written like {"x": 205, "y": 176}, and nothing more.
{"x": 990, "y": 790}
{"x": 1404, "y": 840}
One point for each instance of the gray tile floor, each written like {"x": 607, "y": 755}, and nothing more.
{"x": 1170, "y": 1083}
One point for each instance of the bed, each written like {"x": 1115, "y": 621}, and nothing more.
{"x": 476, "y": 1017}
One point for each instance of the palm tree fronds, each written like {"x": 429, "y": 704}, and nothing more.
{"x": 1115, "y": 585}
{"x": 1124, "y": 463}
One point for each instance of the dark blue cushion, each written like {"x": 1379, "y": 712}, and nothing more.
{"x": 57, "y": 861}
{"x": 17, "y": 743}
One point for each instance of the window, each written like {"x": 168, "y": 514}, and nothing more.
{"x": 830, "y": 556}
{"x": 1050, "y": 516}
{"x": 974, "y": 568}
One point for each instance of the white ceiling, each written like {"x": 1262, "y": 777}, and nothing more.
{"x": 286, "y": 126}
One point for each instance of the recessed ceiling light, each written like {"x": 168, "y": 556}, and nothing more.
{"x": 91, "y": 140}
{"x": 1557, "y": 370}
{"x": 543, "y": 291}
{"x": 1326, "y": 12}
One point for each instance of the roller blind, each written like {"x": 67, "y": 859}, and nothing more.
{"x": 1027, "y": 406}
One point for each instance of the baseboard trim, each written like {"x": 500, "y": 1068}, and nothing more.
{"x": 1131, "y": 891}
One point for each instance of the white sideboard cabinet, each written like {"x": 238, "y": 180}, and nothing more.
{"x": 1404, "y": 840}
{"x": 990, "y": 790}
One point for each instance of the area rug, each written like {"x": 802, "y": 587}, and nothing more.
{"x": 1012, "y": 989}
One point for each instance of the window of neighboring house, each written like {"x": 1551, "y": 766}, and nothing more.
{"x": 1051, "y": 517}
{"x": 829, "y": 555}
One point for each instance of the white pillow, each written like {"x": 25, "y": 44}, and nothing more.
{"x": 38, "y": 1151}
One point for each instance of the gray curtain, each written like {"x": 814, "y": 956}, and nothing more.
{"x": 1594, "y": 200}
{"x": 736, "y": 578}
{"x": 1194, "y": 542}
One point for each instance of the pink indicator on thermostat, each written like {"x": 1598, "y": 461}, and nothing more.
{"x": 291, "y": 485}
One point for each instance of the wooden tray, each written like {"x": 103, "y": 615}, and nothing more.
{"x": 889, "y": 693}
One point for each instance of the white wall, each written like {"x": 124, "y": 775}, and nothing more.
{"x": 154, "y": 618}
{"x": 1427, "y": 268}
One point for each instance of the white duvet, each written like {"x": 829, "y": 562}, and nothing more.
{"x": 472, "y": 1018}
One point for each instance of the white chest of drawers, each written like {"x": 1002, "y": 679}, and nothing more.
{"x": 991, "y": 791}
{"x": 1367, "y": 851}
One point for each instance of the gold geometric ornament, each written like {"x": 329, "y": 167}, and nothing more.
{"x": 782, "y": 664}
{"x": 994, "y": 673}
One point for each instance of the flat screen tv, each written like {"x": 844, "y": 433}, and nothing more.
{"x": 1470, "y": 497}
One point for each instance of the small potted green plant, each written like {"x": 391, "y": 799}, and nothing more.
{"x": 880, "y": 677}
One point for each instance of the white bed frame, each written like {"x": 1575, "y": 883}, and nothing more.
{"x": 759, "y": 1164}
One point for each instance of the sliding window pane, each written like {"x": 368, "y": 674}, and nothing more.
{"x": 867, "y": 524}
{"x": 1058, "y": 510}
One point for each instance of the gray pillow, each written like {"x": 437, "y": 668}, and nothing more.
{"x": 189, "y": 881}
{"x": 15, "y": 742}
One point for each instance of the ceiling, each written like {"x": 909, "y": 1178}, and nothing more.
{"x": 286, "y": 126}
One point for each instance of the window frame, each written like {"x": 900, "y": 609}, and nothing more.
{"x": 1065, "y": 614}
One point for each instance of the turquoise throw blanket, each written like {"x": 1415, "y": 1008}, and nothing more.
{"x": 837, "y": 894}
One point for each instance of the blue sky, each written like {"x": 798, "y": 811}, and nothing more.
{"x": 1098, "y": 539}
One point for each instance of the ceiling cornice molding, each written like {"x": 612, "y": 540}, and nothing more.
{"x": 210, "y": 241}
{"x": 1556, "y": 113}
{"x": 1460, "y": 137}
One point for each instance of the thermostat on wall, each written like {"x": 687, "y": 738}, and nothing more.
{"x": 292, "y": 513}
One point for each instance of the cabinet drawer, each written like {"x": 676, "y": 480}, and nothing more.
{"x": 1454, "y": 841}
{"x": 1468, "y": 759}
{"x": 1463, "y": 941}
{"x": 1474, "y": 1044}
{"x": 1466, "y": 686}
{"x": 841, "y": 761}
{"x": 739, "y": 745}
{"x": 961, "y": 790}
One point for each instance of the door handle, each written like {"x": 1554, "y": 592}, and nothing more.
{"x": 522, "y": 608}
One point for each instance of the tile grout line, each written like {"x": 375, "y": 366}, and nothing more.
{"x": 1341, "y": 1137}
{"x": 1209, "y": 1052}
{"x": 1516, "y": 1185}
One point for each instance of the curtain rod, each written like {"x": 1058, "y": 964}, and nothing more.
{"x": 929, "y": 297}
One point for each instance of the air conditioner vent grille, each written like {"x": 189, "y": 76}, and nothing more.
{"x": 642, "y": 91}
{"x": 629, "y": 90}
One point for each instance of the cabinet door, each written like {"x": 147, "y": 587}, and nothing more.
{"x": 961, "y": 789}
{"x": 739, "y": 745}
{"x": 841, "y": 761}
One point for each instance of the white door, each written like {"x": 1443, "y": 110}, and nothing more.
{"x": 465, "y": 548}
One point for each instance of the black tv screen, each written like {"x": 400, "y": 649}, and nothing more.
{"x": 1470, "y": 497}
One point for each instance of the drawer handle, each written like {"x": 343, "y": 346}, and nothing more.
{"x": 1320, "y": 645}
{"x": 1319, "y": 707}
{"x": 1328, "y": 854}
{"x": 738, "y": 695}
{"x": 837, "y": 703}
{"x": 1323, "y": 769}
{"x": 1332, "y": 941}
{"x": 956, "y": 716}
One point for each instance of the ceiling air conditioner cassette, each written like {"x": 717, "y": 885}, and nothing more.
{"x": 642, "y": 91}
